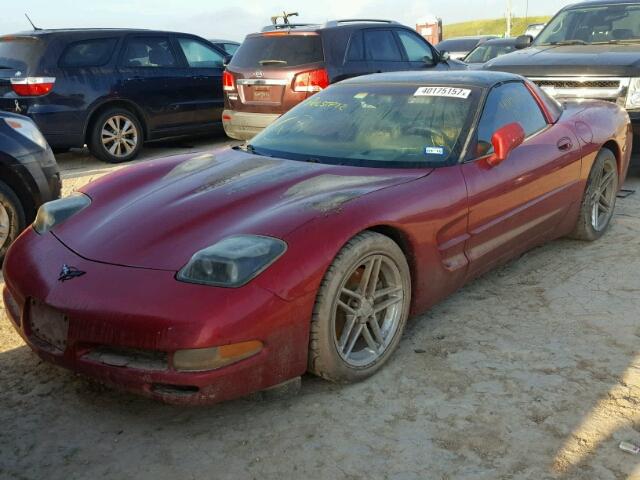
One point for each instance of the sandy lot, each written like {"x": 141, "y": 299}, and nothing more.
{"x": 532, "y": 371}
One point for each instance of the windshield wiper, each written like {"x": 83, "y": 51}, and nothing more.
{"x": 272, "y": 62}
{"x": 614, "y": 42}
{"x": 567, "y": 42}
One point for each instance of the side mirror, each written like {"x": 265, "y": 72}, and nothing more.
{"x": 504, "y": 141}
{"x": 523, "y": 41}
{"x": 445, "y": 56}
{"x": 227, "y": 60}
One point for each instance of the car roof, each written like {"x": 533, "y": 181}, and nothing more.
{"x": 595, "y": 3}
{"x": 83, "y": 31}
{"x": 343, "y": 24}
{"x": 222, "y": 40}
{"x": 473, "y": 78}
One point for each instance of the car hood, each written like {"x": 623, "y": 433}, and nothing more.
{"x": 570, "y": 60}
{"x": 158, "y": 215}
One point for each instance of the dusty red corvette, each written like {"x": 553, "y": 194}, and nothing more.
{"x": 201, "y": 278}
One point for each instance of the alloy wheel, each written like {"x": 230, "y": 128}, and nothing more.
{"x": 603, "y": 197}
{"x": 368, "y": 310}
{"x": 5, "y": 225}
{"x": 119, "y": 136}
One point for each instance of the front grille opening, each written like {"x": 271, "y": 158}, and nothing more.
{"x": 138, "y": 359}
{"x": 578, "y": 83}
{"x": 174, "y": 390}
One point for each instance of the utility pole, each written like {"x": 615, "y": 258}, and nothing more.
{"x": 508, "y": 32}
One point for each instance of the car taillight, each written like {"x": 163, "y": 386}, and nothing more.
{"x": 312, "y": 81}
{"x": 228, "y": 82}
{"x": 32, "y": 86}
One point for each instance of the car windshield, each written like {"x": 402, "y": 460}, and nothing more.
{"x": 374, "y": 126}
{"x": 485, "y": 52}
{"x": 598, "y": 24}
{"x": 271, "y": 50}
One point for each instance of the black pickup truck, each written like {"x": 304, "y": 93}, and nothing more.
{"x": 587, "y": 50}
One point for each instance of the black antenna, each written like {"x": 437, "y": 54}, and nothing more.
{"x": 34, "y": 27}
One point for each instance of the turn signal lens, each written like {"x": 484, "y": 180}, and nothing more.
{"x": 228, "y": 82}
{"x": 312, "y": 81}
{"x": 203, "y": 359}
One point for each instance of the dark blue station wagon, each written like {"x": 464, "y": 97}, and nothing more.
{"x": 112, "y": 89}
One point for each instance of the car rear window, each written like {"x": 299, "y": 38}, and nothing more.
{"x": 262, "y": 51}
{"x": 375, "y": 126}
{"x": 20, "y": 53}
{"x": 88, "y": 53}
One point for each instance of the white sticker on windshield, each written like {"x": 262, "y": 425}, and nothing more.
{"x": 434, "y": 151}
{"x": 451, "y": 92}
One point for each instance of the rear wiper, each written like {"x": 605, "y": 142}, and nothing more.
{"x": 4, "y": 67}
{"x": 272, "y": 62}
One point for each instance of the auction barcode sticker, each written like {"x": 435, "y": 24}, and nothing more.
{"x": 452, "y": 92}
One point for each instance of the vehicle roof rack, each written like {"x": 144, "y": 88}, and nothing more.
{"x": 282, "y": 26}
{"x": 335, "y": 23}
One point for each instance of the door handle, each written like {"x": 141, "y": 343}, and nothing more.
{"x": 564, "y": 144}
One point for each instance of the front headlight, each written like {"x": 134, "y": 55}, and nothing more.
{"x": 232, "y": 262}
{"x": 633, "y": 95}
{"x": 54, "y": 213}
{"x": 27, "y": 129}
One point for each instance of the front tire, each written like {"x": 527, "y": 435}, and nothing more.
{"x": 116, "y": 136}
{"x": 599, "y": 201}
{"x": 361, "y": 309}
{"x": 12, "y": 218}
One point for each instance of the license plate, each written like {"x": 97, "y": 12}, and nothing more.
{"x": 48, "y": 325}
{"x": 261, "y": 93}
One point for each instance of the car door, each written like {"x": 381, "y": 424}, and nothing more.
{"x": 204, "y": 65}
{"x": 418, "y": 51}
{"x": 383, "y": 51}
{"x": 147, "y": 71}
{"x": 517, "y": 204}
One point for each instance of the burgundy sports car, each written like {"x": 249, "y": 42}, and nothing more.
{"x": 200, "y": 278}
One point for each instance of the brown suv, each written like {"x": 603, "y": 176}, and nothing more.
{"x": 275, "y": 69}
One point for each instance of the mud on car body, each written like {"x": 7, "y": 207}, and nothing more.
{"x": 210, "y": 276}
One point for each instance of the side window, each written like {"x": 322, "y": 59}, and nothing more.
{"x": 416, "y": 48}
{"x": 508, "y": 103}
{"x": 356, "y": 48}
{"x": 381, "y": 45}
{"x": 88, "y": 53}
{"x": 148, "y": 52}
{"x": 199, "y": 55}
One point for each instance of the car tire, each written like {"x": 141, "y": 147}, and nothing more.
{"x": 116, "y": 136}
{"x": 599, "y": 200}
{"x": 343, "y": 327}
{"x": 12, "y": 218}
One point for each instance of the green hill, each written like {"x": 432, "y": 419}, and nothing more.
{"x": 490, "y": 27}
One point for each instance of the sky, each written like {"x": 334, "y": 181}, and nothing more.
{"x": 233, "y": 19}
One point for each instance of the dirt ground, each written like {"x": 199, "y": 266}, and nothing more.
{"x": 532, "y": 372}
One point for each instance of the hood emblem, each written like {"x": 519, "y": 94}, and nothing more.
{"x": 67, "y": 273}
{"x": 258, "y": 74}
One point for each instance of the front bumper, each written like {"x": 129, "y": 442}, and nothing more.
{"x": 117, "y": 307}
{"x": 246, "y": 125}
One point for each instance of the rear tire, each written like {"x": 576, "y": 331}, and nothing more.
{"x": 361, "y": 309}
{"x": 599, "y": 201}
{"x": 116, "y": 136}
{"x": 12, "y": 218}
